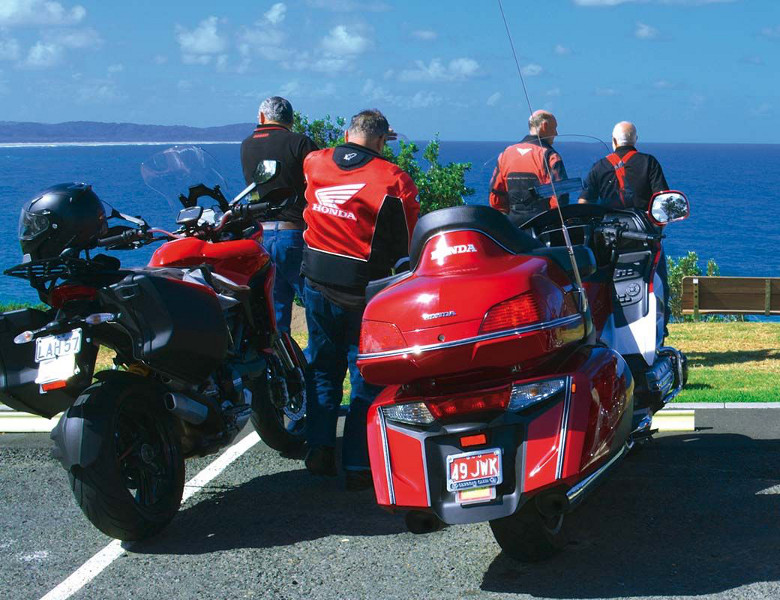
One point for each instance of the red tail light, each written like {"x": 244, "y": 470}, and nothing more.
{"x": 378, "y": 336}
{"x": 67, "y": 292}
{"x": 511, "y": 314}
{"x": 474, "y": 402}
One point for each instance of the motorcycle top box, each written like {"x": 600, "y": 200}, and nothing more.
{"x": 525, "y": 308}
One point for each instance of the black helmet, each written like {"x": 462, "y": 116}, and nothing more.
{"x": 67, "y": 215}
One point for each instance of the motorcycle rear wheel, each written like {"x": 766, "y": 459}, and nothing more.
{"x": 134, "y": 487}
{"x": 528, "y": 535}
{"x": 282, "y": 430}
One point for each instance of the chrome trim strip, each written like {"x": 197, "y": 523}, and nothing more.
{"x": 386, "y": 448}
{"x": 564, "y": 429}
{"x": 425, "y": 470}
{"x": 577, "y": 491}
{"x": 562, "y": 322}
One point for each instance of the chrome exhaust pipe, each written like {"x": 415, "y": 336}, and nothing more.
{"x": 579, "y": 491}
{"x": 552, "y": 504}
{"x": 186, "y": 408}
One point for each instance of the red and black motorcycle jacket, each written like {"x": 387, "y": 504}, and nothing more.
{"x": 276, "y": 142}
{"x": 360, "y": 213}
{"x": 519, "y": 169}
{"x": 625, "y": 179}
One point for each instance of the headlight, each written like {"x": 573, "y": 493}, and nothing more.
{"x": 527, "y": 394}
{"x": 413, "y": 413}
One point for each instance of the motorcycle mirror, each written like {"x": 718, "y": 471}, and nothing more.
{"x": 265, "y": 171}
{"x": 668, "y": 207}
{"x": 189, "y": 216}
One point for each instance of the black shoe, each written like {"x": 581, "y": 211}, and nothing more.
{"x": 321, "y": 460}
{"x": 358, "y": 481}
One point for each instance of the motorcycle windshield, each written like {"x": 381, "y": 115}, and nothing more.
{"x": 172, "y": 172}
{"x": 578, "y": 154}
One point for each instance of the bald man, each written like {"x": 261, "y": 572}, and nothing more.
{"x": 626, "y": 178}
{"x": 522, "y": 166}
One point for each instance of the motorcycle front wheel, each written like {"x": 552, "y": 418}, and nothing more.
{"x": 281, "y": 422}
{"x": 528, "y": 535}
{"x": 134, "y": 487}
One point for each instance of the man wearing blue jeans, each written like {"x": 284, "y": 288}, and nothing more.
{"x": 283, "y": 238}
{"x": 360, "y": 214}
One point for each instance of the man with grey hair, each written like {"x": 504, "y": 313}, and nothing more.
{"x": 283, "y": 238}
{"x": 523, "y": 166}
{"x": 360, "y": 213}
{"x": 626, "y": 178}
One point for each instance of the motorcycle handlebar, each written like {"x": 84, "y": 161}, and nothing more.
{"x": 641, "y": 237}
{"x": 123, "y": 238}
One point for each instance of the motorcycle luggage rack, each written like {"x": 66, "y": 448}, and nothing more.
{"x": 38, "y": 272}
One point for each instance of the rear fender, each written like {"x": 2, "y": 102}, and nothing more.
{"x": 81, "y": 432}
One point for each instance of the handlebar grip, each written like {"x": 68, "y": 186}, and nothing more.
{"x": 641, "y": 237}
{"x": 122, "y": 238}
{"x": 260, "y": 207}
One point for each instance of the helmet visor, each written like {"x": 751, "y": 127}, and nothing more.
{"x": 31, "y": 225}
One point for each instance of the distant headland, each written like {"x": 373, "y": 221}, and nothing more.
{"x": 16, "y": 132}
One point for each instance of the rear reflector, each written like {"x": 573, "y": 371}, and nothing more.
{"x": 67, "y": 292}
{"x": 471, "y": 403}
{"x": 473, "y": 440}
{"x": 511, "y": 314}
{"x": 53, "y": 385}
{"x": 378, "y": 336}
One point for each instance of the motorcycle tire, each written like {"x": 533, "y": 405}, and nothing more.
{"x": 529, "y": 536}
{"x": 134, "y": 487}
{"x": 274, "y": 426}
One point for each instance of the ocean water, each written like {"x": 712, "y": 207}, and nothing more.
{"x": 734, "y": 192}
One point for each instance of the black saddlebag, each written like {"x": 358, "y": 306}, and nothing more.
{"x": 18, "y": 368}
{"x": 178, "y": 328}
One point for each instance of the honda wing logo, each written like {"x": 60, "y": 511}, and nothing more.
{"x": 523, "y": 151}
{"x": 330, "y": 200}
{"x": 442, "y": 250}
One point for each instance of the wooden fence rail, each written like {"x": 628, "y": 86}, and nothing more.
{"x": 730, "y": 295}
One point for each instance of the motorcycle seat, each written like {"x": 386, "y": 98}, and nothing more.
{"x": 484, "y": 219}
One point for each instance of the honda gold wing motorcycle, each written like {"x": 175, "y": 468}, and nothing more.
{"x": 522, "y": 367}
{"x": 197, "y": 353}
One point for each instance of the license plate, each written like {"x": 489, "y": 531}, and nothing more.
{"x": 56, "y": 356}
{"x": 55, "y": 346}
{"x": 480, "y": 469}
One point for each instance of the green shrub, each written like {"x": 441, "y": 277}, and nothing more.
{"x": 440, "y": 185}
{"x": 688, "y": 266}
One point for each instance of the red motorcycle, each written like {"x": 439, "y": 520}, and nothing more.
{"x": 520, "y": 369}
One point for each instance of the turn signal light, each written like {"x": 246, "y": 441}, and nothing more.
{"x": 24, "y": 337}
{"x": 511, "y": 314}
{"x": 471, "y": 403}
{"x": 414, "y": 413}
{"x": 378, "y": 336}
{"x": 527, "y": 394}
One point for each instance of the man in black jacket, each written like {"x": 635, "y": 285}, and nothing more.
{"x": 283, "y": 238}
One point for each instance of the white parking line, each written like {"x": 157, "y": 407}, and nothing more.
{"x": 95, "y": 565}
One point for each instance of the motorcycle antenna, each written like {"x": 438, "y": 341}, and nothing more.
{"x": 564, "y": 229}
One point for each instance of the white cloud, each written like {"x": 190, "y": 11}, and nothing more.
{"x": 561, "y": 50}
{"x": 456, "y": 70}
{"x": 426, "y": 35}
{"x": 663, "y": 84}
{"x": 291, "y": 88}
{"x": 772, "y": 33}
{"x": 78, "y": 38}
{"x": 553, "y": 92}
{"x": 343, "y": 40}
{"x": 645, "y": 32}
{"x": 532, "y": 70}
{"x": 117, "y": 68}
{"x": 160, "y": 59}
{"x": 184, "y": 85}
{"x": 679, "y": 2}
{"x": 421, "y": 99}
{"x": 349, "y": 5}
{"x": 9, "y": 49}
{"x": 753, "y": 60}
{"x": 276, "y": 13}
{"x": 493, "y": 99}
{"x": 39, "y": 12}
{"x": 43, "y": 55}
{"x": 606, "y": 92}
{"x": 200, "y": 45}
{"x": 762, "y": 110}
{"x": 98, "y": 92}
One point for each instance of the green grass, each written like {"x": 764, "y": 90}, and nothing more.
{"x": 729, "y": 362}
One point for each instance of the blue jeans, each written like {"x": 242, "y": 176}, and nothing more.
{"x": 334, "y": 333}
{"x": 286, "y": 249}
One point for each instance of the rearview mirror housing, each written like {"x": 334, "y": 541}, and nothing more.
{"x": 265, "y": 171}
{"x": 668, "y": 207}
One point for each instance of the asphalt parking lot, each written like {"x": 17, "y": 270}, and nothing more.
{"x": 692, "y": 514}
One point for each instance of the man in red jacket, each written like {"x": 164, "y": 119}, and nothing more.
{"x": 527, "y": 164}
{"x": 360, "y": 214}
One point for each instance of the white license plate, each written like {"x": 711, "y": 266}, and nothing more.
{"x": 479, "y": 469}
{"x": 55, "y": 346}
{"x": 56, "y": 356}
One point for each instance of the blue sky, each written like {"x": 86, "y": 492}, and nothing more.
{"x": 683, "y": 70}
